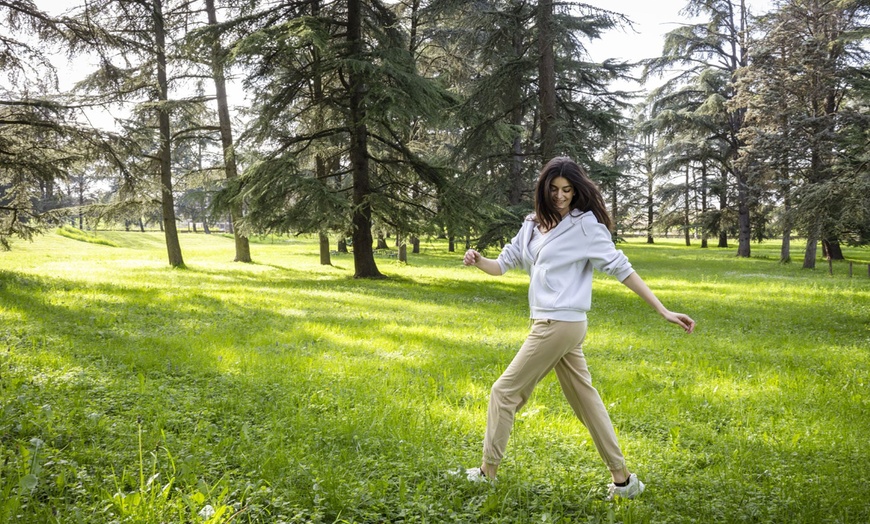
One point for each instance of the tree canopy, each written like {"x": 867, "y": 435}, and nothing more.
{"x": 371, "y": 119}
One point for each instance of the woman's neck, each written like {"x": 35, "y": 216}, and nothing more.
{"x": 543, "y": 227}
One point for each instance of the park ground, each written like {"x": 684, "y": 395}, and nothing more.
{"x": 286, "y": 391}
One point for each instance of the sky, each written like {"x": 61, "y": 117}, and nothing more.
{"x": 651, "y": 20}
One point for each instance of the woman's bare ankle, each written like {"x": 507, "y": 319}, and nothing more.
{"x": 489, "y": 470}
{"x": 621, "y": 476}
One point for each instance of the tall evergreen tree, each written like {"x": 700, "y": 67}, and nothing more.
{"x": 137, "y": 44}
{"x": 532, "y": 94}
{"x": 40, "y": 139}
{"x": 340, "y": 91}
{"x": 218, "y": 64}
{"x": 646, "y": 162}
{"x": 688, "y": 120}
{"x": 711, "y": 52}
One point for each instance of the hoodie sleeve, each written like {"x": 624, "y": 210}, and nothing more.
{"x": 511, "y": 255}
{"x": 604, "y": 256}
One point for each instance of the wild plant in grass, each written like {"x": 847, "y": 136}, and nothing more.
{"x": 17, "y": 491}
{"x": 155, "y": 500}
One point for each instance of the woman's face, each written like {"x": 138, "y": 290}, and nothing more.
{"x": 561, "y": 193}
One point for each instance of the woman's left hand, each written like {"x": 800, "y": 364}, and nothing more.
{"x": 680, "y": 319}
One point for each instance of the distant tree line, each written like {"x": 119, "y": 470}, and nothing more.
{"x": 366, "y": 120}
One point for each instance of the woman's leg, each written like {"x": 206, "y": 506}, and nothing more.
{"x": 544, "y": 347}
{"x": 584, "y": 399}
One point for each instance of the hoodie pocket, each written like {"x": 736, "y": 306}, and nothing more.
{"x": 543, "y": 293}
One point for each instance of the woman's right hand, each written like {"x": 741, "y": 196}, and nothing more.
{"x": 472, "y": 257}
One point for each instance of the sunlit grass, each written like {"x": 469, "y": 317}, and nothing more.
{"x": 284, "y": 390}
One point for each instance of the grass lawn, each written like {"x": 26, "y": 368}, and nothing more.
{"x": 286, "y": 391}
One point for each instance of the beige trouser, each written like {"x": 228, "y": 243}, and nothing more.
{"x": 551, "y": 344}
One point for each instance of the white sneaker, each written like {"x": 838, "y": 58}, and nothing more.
{"x": 634, "y": 488}
{"x": 475, "y": 475}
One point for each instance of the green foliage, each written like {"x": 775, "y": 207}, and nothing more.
{"x": 38, "y": 134}
{"x": 806, "y": 111}
{"x": 288, "y": 391}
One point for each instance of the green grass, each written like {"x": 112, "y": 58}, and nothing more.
{"x": 78, "y": 234}
{"x": 286, "y": 391}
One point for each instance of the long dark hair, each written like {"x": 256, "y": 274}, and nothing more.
{"x": 587, "y": 196}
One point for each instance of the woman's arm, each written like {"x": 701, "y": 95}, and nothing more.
{"x": 487, "y": 265}
{"x": 636, "y": 284}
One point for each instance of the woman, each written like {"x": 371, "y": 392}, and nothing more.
{"x": 559, "y": 245}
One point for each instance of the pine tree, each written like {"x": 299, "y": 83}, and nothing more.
{"x": 340, "y": 94}
{"x": 687, "y": 119}
{"x": 137, "y": 43}
{"x": 40, "y": 140}
{"x": 218, "y": 64}
{"x": 530, "y": 94}
{"x": 712, "y": 51}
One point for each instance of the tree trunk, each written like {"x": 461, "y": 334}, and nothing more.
{"x": 451, "y": 244}
{"x": 815, "y": 175}
{"x": 415, "y": 245}
{"x": 325, "y": 259}
{"x": 324, "y": 239}
{"x": 403, "y": 252}
{"x": 744, "y": 231}
{"x": 173, "y": 248}
{"x": 812, "y": 246}
{"x": 141, "y": 225}
{"x": 831, "y": 249}
{"x": 703, "y": 202}
{"x": 382, "y": 242}
{"x": 785, "y": 250}
{"x": 363, "y": 255}
{"x": 738, "y": 39}
{"x": 547, "y": 80}
{"x": 649, "y": 206}
{"x": 614, "y": 194}
{"x": 686, "y": 204}
{"x": 785, "y": 178}
{"x": 723, "y": 207}
{"x": 341, "y": 245}
{"x": 830, "y": 243}
{"x": 322, "y": 170}
{"x": 243, "y": 248}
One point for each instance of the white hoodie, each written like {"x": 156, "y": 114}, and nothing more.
{"x": 561, "y": 275}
